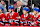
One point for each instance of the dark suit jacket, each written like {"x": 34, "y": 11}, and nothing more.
{"x": 20, "y": 13}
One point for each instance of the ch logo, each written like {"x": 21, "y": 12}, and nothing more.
{"x": 8, "y": 16}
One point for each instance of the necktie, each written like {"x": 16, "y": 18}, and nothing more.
{"x": 17, "y": 10}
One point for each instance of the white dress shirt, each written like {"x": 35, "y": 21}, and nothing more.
{"x": 18, "y": 9}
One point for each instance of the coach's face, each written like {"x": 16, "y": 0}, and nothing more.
{"x": 2, "y": 2}
{"x": 18, "y": 3}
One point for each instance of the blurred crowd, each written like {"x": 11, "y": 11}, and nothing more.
{"x": 19, "y": 13}
{"x": 4, "y": 4}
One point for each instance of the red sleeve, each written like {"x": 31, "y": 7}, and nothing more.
{"x": 32, "y": 18}
{"x": 29, "y": 15}
{"x": 21, "y": 17}
{"x": 17, "y": 15}
{"x": 21, "y": 24}
{"x": 27, "y": 18}
{"x": 4, "y": 15}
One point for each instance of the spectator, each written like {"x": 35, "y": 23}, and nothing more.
{"x": 24, "y": 2}
{"x": 3, "y": 3}
{"x": 4, "y": 7}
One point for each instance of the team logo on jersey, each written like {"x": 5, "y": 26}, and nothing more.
{"x": 22, "y": 18}
{"x": 11, "y": 20}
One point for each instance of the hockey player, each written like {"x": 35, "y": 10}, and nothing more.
{"x": 35, "y": 17}
{"x": 25, "y": 18}
{"x": 2, "y": 16}
{"x": 13, "y": 16}
{"x": 9, "y": 14}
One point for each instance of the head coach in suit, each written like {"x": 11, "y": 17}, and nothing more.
{"x": 19, "y": 8}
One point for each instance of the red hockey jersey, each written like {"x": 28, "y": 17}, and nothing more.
{"x": 2, "y": 16}
{"x": 13, "y": 18}
{"x": 25, "y": 19}
{"x": 8, "y": 16}
{"x": 35, "y": 19}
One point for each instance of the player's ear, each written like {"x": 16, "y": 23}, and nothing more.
{"x": 27, "y": 11}
{"x": 37, "y": 11}
{"x": 1, "y": 11}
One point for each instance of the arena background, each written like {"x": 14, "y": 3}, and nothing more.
{"x": 27, "y": 3}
